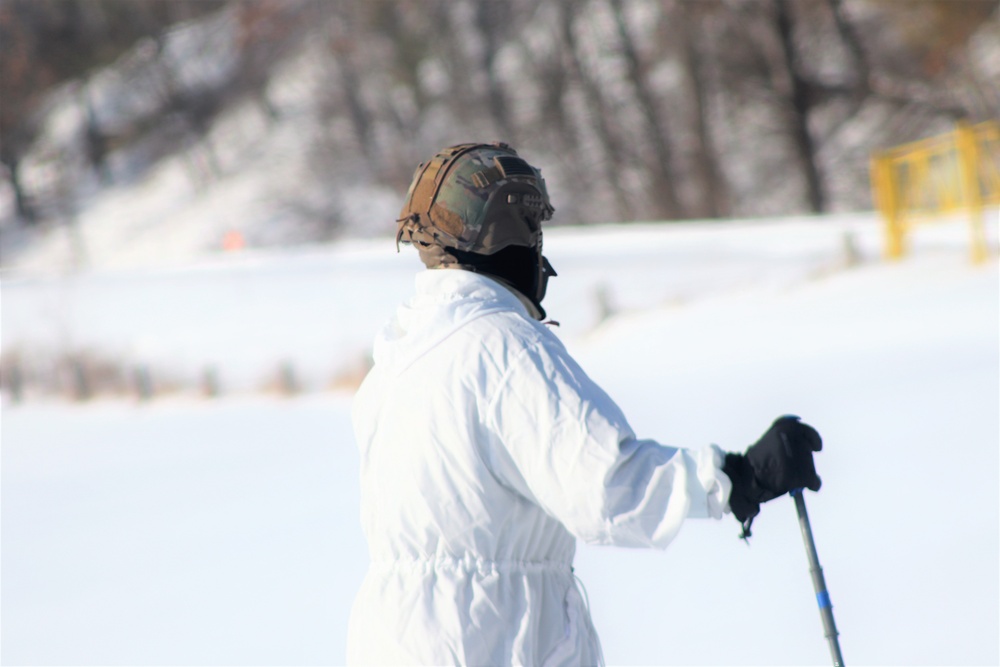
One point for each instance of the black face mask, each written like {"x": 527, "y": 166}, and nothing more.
{"x": 522, "y": 267}
{"x": 545, "y": 271}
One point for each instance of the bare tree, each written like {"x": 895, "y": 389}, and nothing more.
{"x": 713, "y": 196}
{"x": 597, "y": 108}
{"x": 492, "y": 21}
{"x": 664, "y": 191}
{"x": 799, "y": 105}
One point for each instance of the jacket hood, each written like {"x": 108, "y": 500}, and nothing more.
{"x": 445, "y": 300}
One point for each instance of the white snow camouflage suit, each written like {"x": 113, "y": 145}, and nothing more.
{"x": 485, "y": 452}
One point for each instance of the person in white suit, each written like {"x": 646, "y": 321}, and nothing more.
{"x": 486, "y": 451}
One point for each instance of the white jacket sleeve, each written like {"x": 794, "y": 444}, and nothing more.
{"x": 560, "y": 441}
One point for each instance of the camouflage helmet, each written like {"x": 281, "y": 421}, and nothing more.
{"x": 478, "y": 198}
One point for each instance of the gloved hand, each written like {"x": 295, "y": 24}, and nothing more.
{"x": 782, "y": 460}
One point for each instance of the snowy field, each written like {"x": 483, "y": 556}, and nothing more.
{"x": 187, "y": 531}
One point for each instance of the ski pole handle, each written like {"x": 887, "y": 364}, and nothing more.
{"x": 819, "y": 584}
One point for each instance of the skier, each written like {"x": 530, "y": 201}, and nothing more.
{"x": 486, "y": 451}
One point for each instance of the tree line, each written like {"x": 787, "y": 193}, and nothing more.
{"x": 636, "y": 109}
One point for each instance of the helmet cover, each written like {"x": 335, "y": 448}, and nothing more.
{"x": 477, "y": 198}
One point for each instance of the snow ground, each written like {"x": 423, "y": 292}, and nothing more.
{"x": 195, "y": 532}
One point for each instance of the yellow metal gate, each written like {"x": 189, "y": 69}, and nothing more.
{"x": 928, "y": 179}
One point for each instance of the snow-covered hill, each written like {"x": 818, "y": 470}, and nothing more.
{"x": 251, "y": 175}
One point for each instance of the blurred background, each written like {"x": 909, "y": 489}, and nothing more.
{"x": 197, "y": 205}
{"x": 636, "y": 110}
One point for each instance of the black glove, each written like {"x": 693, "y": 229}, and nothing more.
{"x": 782, "y": 460}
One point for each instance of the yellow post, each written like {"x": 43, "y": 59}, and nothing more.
{"x": 968, "y": 159}
{"x": 887, "y": 201}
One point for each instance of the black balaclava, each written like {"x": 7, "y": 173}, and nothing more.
{"x": 516, "y": 265}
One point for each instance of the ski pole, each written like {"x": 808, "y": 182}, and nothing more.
{"x": 822, "y": 596}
